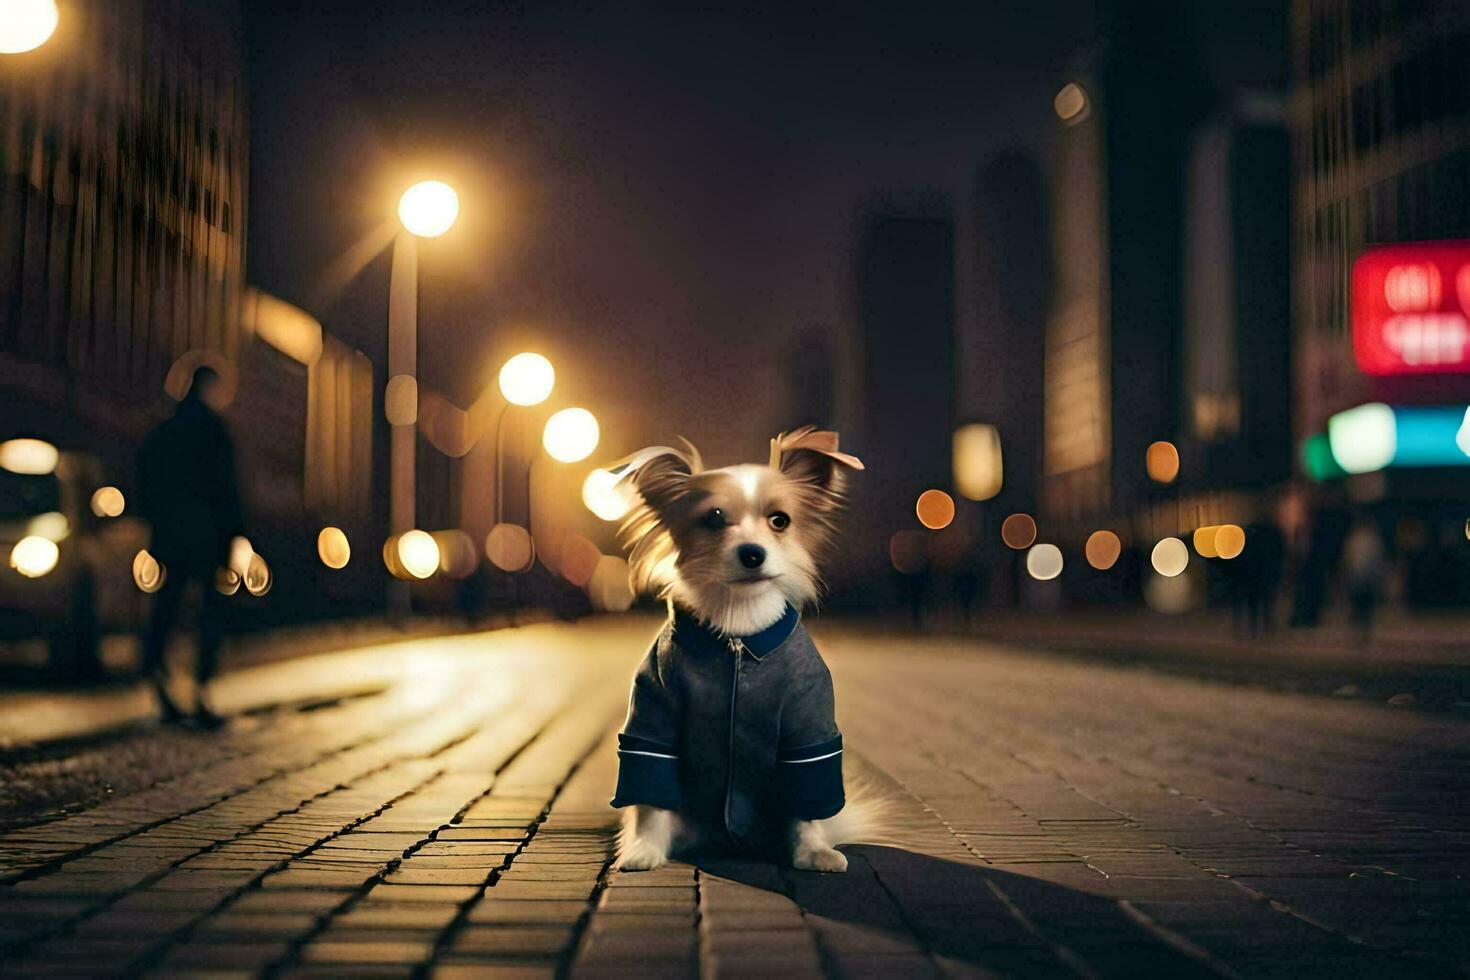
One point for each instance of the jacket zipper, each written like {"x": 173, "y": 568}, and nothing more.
{"x": 737, "y": 649}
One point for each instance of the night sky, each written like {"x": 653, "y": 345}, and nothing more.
{"x": 660, "y": 200}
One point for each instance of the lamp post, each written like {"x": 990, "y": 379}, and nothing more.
{"x": 426, "y": 210}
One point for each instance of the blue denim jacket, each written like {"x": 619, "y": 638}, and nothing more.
{"x": 738, "y": 733}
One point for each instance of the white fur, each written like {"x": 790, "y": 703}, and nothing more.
{"x": 650, "y": 836}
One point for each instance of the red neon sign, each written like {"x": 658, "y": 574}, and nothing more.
{"x": 1411, "y": 308}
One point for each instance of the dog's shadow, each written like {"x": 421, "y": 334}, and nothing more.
{"x": 896, "y": 904}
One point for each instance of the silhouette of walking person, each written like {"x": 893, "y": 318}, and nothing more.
{"x": 189, "y": 495}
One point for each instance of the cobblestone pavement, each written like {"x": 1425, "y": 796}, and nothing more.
{"x": 1046, "y": 818}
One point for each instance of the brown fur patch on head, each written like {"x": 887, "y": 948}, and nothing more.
{"x": 661, "y": 475}
{"x": 816, "y": 472}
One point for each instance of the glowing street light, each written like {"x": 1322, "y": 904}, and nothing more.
{"x": 571, "y": 435}
{"x": 527, "y": 379}
{"x": 26, "y": 24}
{"x": 429, "y": 208}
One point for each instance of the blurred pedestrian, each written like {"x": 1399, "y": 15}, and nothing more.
{"x": 189, "y": 495}
{"x": 1255, "y": 577}
{"x": 1363, "y": 568}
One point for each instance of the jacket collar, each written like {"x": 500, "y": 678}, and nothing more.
{"x": 692, "y": 633}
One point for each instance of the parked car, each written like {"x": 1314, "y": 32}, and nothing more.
{"x": 67, "y": 549}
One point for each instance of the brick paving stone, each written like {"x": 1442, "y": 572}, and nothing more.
{"x": 354, "y": 953}
{"x": 1047, "y": 819}
{"x": 514, "y": 941}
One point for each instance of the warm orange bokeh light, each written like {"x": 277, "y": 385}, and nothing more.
{"x": 1018, "y": 531}
{"x": 457, "y": 554}
{"x": 1204, "y": 541}
{"x": 1162, "y": 462}
{"x": 1103, "y": 549}
{"x": 108, "y": 502}
{"x": 148, "y": 573}
{"x": 579, "y": 558}
{"x": 935, "y": 509}
{"x": 509, "y": 548}
{"x": 1229, "y": 541}
{"x": 332, "y": 547}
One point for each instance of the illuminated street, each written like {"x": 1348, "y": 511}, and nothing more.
{"x": 442, "y": 805}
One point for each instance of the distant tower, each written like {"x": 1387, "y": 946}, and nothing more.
{"x": 1001, "y": 374}
{"x": 906, "y": 314}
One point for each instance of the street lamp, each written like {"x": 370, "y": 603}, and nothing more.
{"x": 426, "y": 210}
{"x": 570, "y": 436}
{"x": 26, "y": 24}
{"x": 525, "y": 380}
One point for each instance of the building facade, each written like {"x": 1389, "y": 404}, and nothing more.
{"x": 1381, "y": 144}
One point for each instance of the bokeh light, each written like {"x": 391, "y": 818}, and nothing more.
{"x": 458, "y": 556}
{"x": 527, "y": 379}
{"x": 419, "y": 553}
{"x": 333, "y": 548}
{"x": 571, "y": 435}
{"x": 1162, "y": 462}
{"x": 1103, "y": 549}
{"x": 108, "y": 502}
{"x": 578, "y": 561}
{"x": 52, "y": 525}
{"x": 28, "y": 457}
{"x": 978, "y": 469}
{"x": 1229, "y": 541}
{"x": 429, "y": 208}
{"x": 148, "y": 572}
{"x": 257, "y": 578}
{"x": 605, "y": 495}
{"x": 1018, "y": 531}
{"x": 226, "y": 581}
{"x": 241, "y": 551}
{"x": 509, "y": 548}
{"x": 1363, "y": 439}
{"x": 1204, "y": 541}
{"x": 1070, "y": 102}
{"x": 26, "y": 24}
{"x": 1170, "y": 557}
{"x": 609, "y": 589}
{"x": 34, "y": 556}
{"x": 908, "y": 550}
{"x": 1044, "y": 562}
{"x": 935, "y": 509}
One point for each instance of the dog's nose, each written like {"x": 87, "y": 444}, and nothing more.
{"x": 751, "y": 555}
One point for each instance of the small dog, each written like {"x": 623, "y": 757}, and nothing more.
{"x": 730, "y": 737}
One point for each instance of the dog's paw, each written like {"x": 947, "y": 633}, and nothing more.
{"x": 640, "y": 855}
{"x": 819, "y": 859}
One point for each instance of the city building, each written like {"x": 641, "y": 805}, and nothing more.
{"x": 123, "y": 190}
{"x": 1380, "y": 119}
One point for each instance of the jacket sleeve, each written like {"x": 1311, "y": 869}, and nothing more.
{"x": 809, "y": 756}
{"x": 648, "y": 746}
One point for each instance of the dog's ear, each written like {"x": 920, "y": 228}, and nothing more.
{"x": 660, "y": 473}
{"x": 810, "y": 455}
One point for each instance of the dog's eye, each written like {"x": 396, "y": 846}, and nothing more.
{"x": 779, "y": 520}
{"x": 715, "y": 519}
